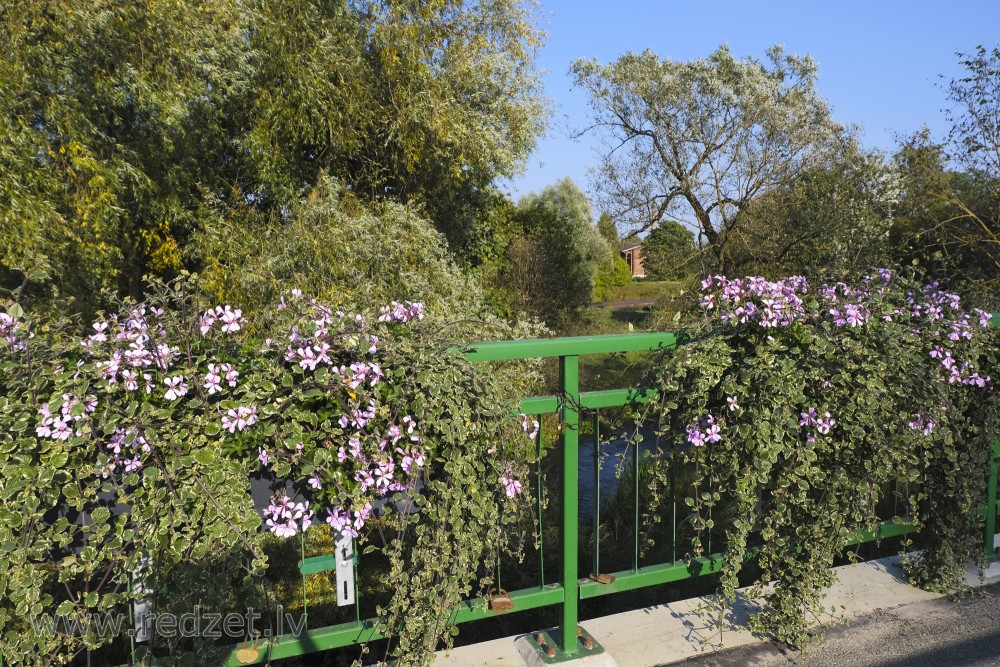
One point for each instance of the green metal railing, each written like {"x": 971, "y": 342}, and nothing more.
{"x": 570, "y": 589}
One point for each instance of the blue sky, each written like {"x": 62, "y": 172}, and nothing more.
{"x": 880, "y": 61}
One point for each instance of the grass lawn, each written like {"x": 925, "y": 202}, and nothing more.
{"x": 646, "y": 289}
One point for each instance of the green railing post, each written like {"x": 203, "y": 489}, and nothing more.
{"x": 991, "y": 504}
{"x": 570, "y": 367}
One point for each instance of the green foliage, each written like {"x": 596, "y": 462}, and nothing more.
{"x": 975, "y": 111}
{"x": 129, "y": 127}
{"x": 118, "y": 448}
{"x": 832, "y": 220}
{"x": 553, "y": 266}
{"x": 668, "y": 252}
{"x": 798, "y": 417}
{"x": 609, "y": 230}
{"x": 947, "y": 220}
{"x": 333, "y": 246}
{"x": 702, "y": 139}
{"x": 611, "y": 274}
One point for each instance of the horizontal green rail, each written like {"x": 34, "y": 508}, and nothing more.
{"x": 537, "y": 348}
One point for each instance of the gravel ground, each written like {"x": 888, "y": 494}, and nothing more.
{"x": 937, "y": 633}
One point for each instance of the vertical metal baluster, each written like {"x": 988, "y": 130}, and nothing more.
{"x": 710, "y": 516}
{"x": 673, "y": 502}
{"x": 302, "y": 552}
{"x": 538, "y": 478}
{"x": 357, "y": 597}
{"x": 895, "y": 497}
{"x": 597, "y": 493}
{"x": 131, "y": 621}
{"x": 635, "y": 507}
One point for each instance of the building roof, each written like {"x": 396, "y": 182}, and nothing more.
{"x": 632, "y": 246}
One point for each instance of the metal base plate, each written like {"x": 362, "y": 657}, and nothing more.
{"x": 535, "y": 652}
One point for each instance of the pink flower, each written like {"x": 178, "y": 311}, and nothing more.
{"x": 511, "y": 486}
{"x": 175, "y": 387}
{"x": 529, "y": 426}
{"x": 213, "y": 381}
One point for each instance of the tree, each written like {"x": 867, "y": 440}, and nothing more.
{"x": 949, "y": 219}
{"x": 668, "y": 251}
{"x": 703, "y": 139}
{"x": 553, "y": 266}
{"x": 128, "y": 129}
{"x": 833, "y": 219}
{"x": 975, "y": 112}
{"x": 609, "y": 230}
{"x": 421, "y": 102}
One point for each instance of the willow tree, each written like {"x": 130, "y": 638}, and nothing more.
{"x": 698, "y": 141}
{"x": 129, "y": 129}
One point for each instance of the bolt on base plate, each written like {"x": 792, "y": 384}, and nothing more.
{"x": 548, "y": 649}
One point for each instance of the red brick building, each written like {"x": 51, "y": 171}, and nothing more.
{"x": 633, "y": 256}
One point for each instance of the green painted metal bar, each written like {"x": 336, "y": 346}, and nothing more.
{"x": 524, "y": 599}
{"x": 541, "y": 405}
{"x": 570, "y": 366}
{"x": 613, "y": 398}
{"x": 317, "y": 564}
{"x": 989, "y": 531}
{"x": 652, "y": 575}
{"x": 665, "y": 573}
{"x": 505, "y": 350}
{"x": 591, "y": 400}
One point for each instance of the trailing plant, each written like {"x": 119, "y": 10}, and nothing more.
{"x": 125, "y": 456}
{"x": 799, "y": 407}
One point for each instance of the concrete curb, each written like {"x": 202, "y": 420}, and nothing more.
{"x": 673, "y": 632}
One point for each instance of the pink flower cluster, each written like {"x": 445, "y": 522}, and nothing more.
{"x": 130, "y": 347}
{"x": 754, "y": 299}
{"x": 349, "y": 522}
{"x": 702, "y": 431}
{"x": 121, "y": 441}
{"x": 310, "y": 349}
{"x": 285, "y": 518}
{"x": 954, "y": 371}
{"x": 9, "y": 326}
{"x": 240, "y": 418}
{"x": 72, "y": 413}
{"x": 215, "y": 375}
{"x": 529, "y": 426}
{"x": 823, "y": 424}
{"x": 402, "y": 312}
{"x": 511, "y": 486}
{"x": 231, "y": 319}
{"x": 923, "y": 423}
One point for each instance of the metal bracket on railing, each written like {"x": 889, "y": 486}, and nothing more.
{"x": 346, "y": 560}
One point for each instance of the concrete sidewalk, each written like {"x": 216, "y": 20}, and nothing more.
{"x": 675, "y": 632}
{"x": 935, "y": 633}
